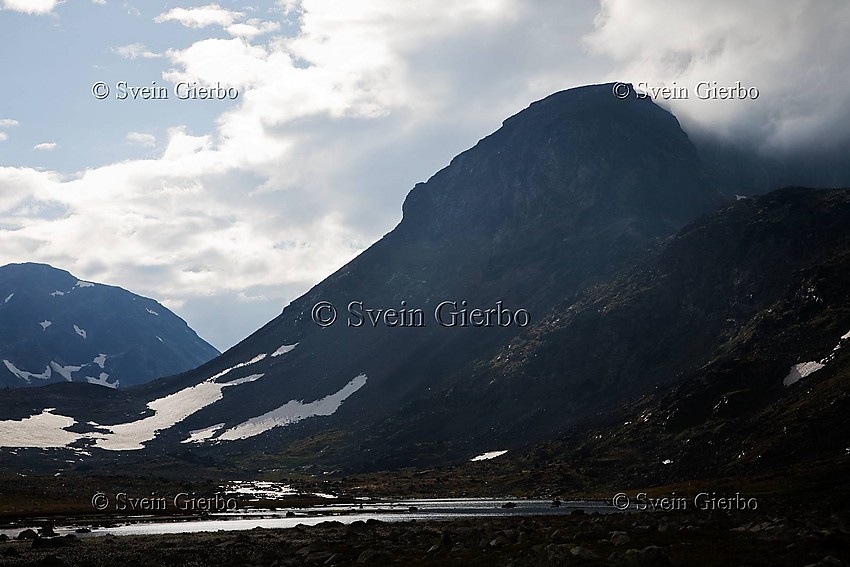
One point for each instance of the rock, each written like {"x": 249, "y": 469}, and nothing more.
{"x": 4, "y": 537}
{"x": 370, "y": 555}
{"x": 290, "y": 514}
{"x": 308, "y": 549}
{"x": 11, "y": 552}
{"x": 82, "y": 531}
{"x": 655, "y": 555}
{"x": 47, "y": 531}
{"x": 651, "y": 556}
{"x": 559, "y": 554}
{"x": 318, "y": 557}
{"x": 509, "y": 505}
{"x": 27, "y": 534}
{"x": 619, "y": 538}
{"x": 582, "y": 553}
{"x": 499, "y": 541}
{"x": 830, "y": 561}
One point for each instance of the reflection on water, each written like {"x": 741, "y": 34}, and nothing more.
{"x": 387, "y": 511}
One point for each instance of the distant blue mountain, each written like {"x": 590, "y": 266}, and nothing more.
{"x": 55, "y": 327}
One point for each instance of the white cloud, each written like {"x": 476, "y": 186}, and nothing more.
{"x": 252, "y": 28}
{"x": 135, "y": 51}
{"x": 30, "y": 6}
{"x": 8, "y": 123}
{"x": 20, "y": 183}
{"x": 795, "y": 56}
{"x": 310, "y": 165}
{"x": 203, "y": 16}
{"x": 142, "y": 139}
{"x": 45, "y": 146}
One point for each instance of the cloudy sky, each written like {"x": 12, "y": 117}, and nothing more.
{"x": 226, "y": 210}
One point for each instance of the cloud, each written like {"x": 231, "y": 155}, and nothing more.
{"x": 20, "y": 183}
{"x": 3, "y": 136}
{"x": 795, "y": 57}
{"x": 8, "y": 123}
{"x": 38, "y": 7}
{"x": 333, "y": 126}
{"x": 135, "y": 51}
{"x": 45, "y": 146}
{"x": 142, "y": 139}
{"x": 203, "y": 16}
{"x": 252, "y": 28}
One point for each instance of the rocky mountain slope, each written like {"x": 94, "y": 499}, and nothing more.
{"x": 725, "y": 355}
{"x": 563, "y": 196}
{"x": 55, "y": 327}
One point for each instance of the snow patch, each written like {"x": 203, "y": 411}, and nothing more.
{"x": 488, "y": 455}
{"x": 11, "y": 295}
{"x": 846, "y": 335}
{"x": 79, "y": 331}
{"x": 254, "y": 360}
{"x": 284, "y": 349}
{"x": 801, "y": 370}
{"x": 100, "y": 360}
{"x": 168, "y": 411}
{"x": 292, "y": 412}
{"x": 44, "y": 431}
{"x": 102, "y": 380}
{"x": 27, "y": 376}
{"x": 201, "y": 435}
{"x": 64, "y": 371}
{"x": 57, "y": 292}
{"x": 259, "y": 489}
{"x": 44, "y": 324}
{"x": 151, "y": 311}
{"x": 81, "y": 283}
{"x": 160, "y": 340}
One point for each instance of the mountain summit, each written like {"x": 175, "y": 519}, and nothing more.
{"x": 55, "y": 327}
{"x": 565, "y": 194}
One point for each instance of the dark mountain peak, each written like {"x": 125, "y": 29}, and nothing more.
{"x": 31, "y": 269}
{"x": 580, "y": 155}
{"x": 565, "y": 194}
{"x": 54, "y": 327}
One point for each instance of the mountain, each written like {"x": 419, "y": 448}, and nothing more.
{"x": 563, "y": 196}
{"x": 55, "y": 327}
{"x": 725, "y": 355}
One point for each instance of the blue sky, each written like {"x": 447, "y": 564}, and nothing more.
{"x": 227, "y": 210}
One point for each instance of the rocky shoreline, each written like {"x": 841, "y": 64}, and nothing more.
{"x": 631, "y": 539}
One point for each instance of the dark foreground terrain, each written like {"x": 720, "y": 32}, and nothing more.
{"x": 692, "y": 538}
